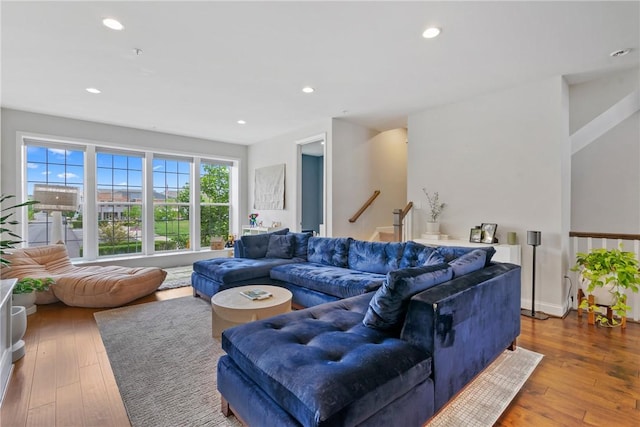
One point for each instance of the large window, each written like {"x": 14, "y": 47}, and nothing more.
{"x": 136, "y": 203}
{"x": 119, "y": 203}
{"x": 214, "y": 201}
{"x": 55, "y": 171}
{"x": 170, "y": 212}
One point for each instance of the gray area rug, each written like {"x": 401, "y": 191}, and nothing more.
{"x": 164, "y": 361}
{"x": 177, "y": 277}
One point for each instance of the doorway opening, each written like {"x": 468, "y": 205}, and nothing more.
{"x": 311, "y": 184}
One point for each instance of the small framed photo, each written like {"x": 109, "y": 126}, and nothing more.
{"x": 488, "y": 232}
{"x": 476, "y": 235}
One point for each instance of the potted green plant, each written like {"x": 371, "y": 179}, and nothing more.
{"x": 8, "y": 239}
{"x": 606, "y": 274}
{"x": 24, "y": 292}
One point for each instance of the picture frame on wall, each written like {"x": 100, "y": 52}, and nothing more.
{"x": 475, "y": 236}
{"x": 488, "y": 232}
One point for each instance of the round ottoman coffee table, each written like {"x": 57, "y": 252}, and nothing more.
{"x": 231, "y": 308}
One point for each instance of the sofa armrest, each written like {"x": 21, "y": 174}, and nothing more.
{"x": 465, "y": 324}
{"x": 238, "y": 249}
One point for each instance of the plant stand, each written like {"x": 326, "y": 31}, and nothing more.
{"x": 591, "y": 316}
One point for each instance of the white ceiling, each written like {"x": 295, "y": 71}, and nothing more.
{"x": 207, "y": 64}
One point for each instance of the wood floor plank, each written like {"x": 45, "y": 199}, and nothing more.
{"x": 588, "y": 376}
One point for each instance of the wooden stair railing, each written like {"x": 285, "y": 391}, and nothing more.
{"x": 613, "y": 236}
{"x": 364, "y": 207}
{"x": 398, "y": 220}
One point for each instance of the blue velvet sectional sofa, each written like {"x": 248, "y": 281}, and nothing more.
{"x": 390, "y": 357}
{"x": 391, "y": 333}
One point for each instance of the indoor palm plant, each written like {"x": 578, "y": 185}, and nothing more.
{"x": 8, "y": 239}
{"x": 607, "y": 274}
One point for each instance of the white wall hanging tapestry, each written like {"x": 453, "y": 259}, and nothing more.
{"x": 269, "y": 188}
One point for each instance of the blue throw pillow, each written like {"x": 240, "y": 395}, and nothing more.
{"x": 280, "y": 246}
{"x": 388, "y": 306}
{"x": 452, "y": 252}
{"x": 467, "y": 263}
{"x": 255, "y": 245}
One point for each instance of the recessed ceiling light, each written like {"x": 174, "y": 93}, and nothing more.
{"x": 241, "y": 122}
{"x": 620, "y": 52}
{"x": 308, "y": 89}
{"x": 113, "y": 24}
{"x": 92, "y": 90}
{"x": 430, "y": 33}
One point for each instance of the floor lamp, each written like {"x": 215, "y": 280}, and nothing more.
{"x": 534, "y": 238}
{"x": 56, "y": 199}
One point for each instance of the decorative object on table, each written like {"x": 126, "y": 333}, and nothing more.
{"x": 489, "y": 232}
{"x": 24, "y": 293}
{"x": 512, "y": 238}
{"x": 18, "y": 329}
{"x": 256, "y": 294}
{"x": 269, "y": 188}
{"x": 605, "y": 275}
{"x": 253, "y": 220}
{"x": 217, "y": 243}
{"x": 231, "y": 239}
{"x": 8, "y": 243}
{"x": 56, "y": 199}
{"x": 435, "y": 210}
{"x": 534, "y": 238}
{"x": 475, "y": 236}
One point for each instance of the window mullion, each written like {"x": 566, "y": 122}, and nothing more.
{"x": 194, "y": 201}
{"x": 90, "y": 237}
{"x": 148, "y": 244}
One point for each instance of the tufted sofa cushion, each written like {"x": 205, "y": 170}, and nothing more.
{"x": 388, "y": 306}
{"x": 329, "y": 250}
{"x": 335, "y": 281}
{"x": 415, "y": 255}
{"x": 230, "y": 270}
{"x": 323, "y": 366}
{"x": 374, "y": 257}
{"x": 301, "y": 244}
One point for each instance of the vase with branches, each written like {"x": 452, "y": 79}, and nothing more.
{"x": 435, "y": 210}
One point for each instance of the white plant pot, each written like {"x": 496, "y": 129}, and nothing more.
{"x": 602, "y": 295}
{"x": 433, "y": 227}
{"x": 18, "y": 329}
{"x": 28, "y": 301}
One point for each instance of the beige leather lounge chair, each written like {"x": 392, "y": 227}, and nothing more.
{"x": 82, "y": 286}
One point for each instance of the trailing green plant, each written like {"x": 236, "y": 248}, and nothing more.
{"x": 612, "y": 268}
{"x": 11, "y": 238}
{"x": 26, "y": 285}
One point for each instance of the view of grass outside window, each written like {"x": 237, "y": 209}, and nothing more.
{"x": 55, "y": 168}
{"x": 170, "y": 213}
{"x": 119, "y": 203}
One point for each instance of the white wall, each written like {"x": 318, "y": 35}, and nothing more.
{"x": 502, "y": 158}
{"x": 14, "y": 121}
{"x": 278, "y": 150}
{"x": 363, "y": 161}
{"x": 606, "y": 174}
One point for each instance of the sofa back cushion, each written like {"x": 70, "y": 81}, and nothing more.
{"x": 467, "y": 263}
{"x": 255, "y": 246}
{"x": 388, "y": 306}
{"x": 375, "y": 257}
{"x": 301, "y": 244}
{"x": 329, "y": 250}
{"x": 280, "y": 246}
{"x": 416, "y": 255}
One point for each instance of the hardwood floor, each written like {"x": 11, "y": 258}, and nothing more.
{"x": 589, "y": 376}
